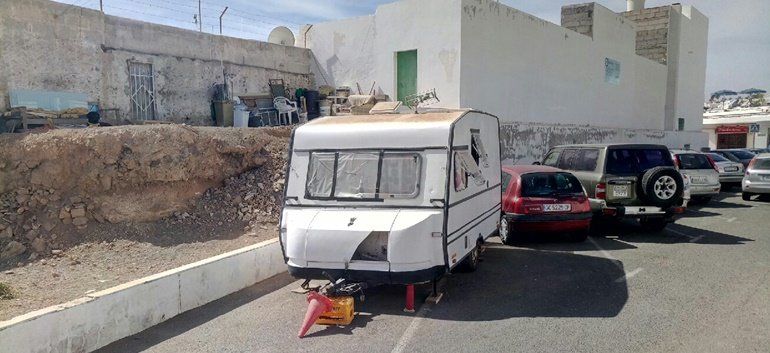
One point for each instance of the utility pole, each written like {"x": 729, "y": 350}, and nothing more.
{"x": 200, "y": 18}
{"x": 101, "y": 6}
{"x": 220, "y": 20}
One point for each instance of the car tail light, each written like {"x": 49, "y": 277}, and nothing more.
{"x": 713, "y": 164}
{"x": 751, "y": 164}
{"x": 677, "y": 162}
{"x": 601, "y": 191}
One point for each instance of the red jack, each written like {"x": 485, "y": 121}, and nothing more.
{"x": 409, "y": 307}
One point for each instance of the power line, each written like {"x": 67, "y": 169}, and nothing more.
{"x": 185, "y": 21}
{"x": 238, "y": 13}
{"x": 204, "y": 16}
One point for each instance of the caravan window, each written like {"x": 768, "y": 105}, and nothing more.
{"x": 320, "y": 176}
{"x": 357, "y": 174}
{"x": 364, "y": 175}
{"x": 400, "y": 174}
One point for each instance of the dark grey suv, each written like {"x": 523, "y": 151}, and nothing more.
{"x": 626, "y": 180}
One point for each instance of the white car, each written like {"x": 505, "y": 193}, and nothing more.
{"x": 701, "y": 171}
{"x": 757, "y": 179}
{"x": 729, "y": 172}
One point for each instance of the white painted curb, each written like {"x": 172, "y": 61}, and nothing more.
{"x": 100, "y": 318}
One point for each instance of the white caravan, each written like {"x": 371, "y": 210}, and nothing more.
{"x": 391, "y": 198}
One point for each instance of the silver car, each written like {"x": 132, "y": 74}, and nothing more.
{"x": 729, "y": 172}
{"x": 701, "y": 171}
{"x": 757, "y": 178}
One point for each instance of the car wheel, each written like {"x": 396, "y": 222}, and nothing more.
{"x": 471, "y": 262}
{"x": 662, "y": 186}
{"x": 746, "y": 196}
{"x": 653, "y": 224}
{"x": 504, "y": 230}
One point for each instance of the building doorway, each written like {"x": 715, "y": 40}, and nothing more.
{"x": 731, "y": 141}
{"x": 142, "y": 91}
{"x": 406, "y": 74}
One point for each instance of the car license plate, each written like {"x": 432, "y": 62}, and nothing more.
{"x": 699, "y": 180}
{"x": 620, "y": 191}
{"x": 731, "y": 169}
{"x": 557, "y": 207}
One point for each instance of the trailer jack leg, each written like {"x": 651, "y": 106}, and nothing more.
{"x": 437, "y": 293}
{"x": 409, "y": 307}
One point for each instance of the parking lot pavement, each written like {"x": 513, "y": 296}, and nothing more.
{"x": 700, "y": 285}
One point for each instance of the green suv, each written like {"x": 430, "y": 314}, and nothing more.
{"x": 626, "y": 180}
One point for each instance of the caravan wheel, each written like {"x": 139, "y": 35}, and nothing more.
{"x": 471, "y": 262}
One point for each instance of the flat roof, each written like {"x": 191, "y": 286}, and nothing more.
{"x": 603, "y": 145}
{"x": 422, "y": 130}
{"x": 448, "y": 117}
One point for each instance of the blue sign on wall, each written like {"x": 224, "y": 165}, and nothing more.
{"x": 612, "y": 71}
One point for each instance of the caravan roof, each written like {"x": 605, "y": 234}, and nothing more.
{"x": 378, "y": 131}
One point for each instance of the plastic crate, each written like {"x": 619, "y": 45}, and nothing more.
{"x": 343, "y": 309}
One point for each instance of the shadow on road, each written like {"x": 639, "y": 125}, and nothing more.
{"x": 556, "y": 243}
{"x": 524, "y": 283}
{"x": 510, "y": 282}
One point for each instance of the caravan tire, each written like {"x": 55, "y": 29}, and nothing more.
{"x": 471, "y": 262}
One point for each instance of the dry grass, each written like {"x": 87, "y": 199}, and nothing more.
{"x": 6, "y": 292}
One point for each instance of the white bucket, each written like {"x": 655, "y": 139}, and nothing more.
{"x": 326, "y": 110}
{"x": 241, "y": 118}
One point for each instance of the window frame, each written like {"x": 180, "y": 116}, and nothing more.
{"x": 580, "y": 155}
{"x": 556, "y": 152}
{"x": 376, "y": 198}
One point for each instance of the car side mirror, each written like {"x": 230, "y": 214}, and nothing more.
{"x": 536, "y": 163}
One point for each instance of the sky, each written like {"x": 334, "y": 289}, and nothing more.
{"x": 738, "y": 44}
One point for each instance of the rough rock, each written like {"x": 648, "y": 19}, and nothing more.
{"x": 39, "y": 245}
{"x": 11, "y": 250}
{"x": 6, "y": 233}
{"x": 78, "y": 212}
{"x": 80, "y": 221}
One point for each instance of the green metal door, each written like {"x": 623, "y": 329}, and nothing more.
{"x": 406, "y": 74}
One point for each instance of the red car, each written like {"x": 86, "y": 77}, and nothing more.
{"x": 543, "y": 199}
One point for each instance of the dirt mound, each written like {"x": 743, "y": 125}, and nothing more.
{"x": 65, "y": 187}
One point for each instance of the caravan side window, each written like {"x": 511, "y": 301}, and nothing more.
{"x": 400, "y": 177}
{"x": 320, "y": 176}
{"x": 460, "y": 172}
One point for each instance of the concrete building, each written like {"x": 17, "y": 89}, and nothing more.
{"x": 738, "y": 128}
{"x": 601, "y": 76}
{"x": 51, "y": 46}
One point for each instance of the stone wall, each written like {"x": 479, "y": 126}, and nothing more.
{"x": 46, "y": 45}
{"x": 524, "y": 143}
{"x": 579, "y": 18}
{"x": 652, "y": 32}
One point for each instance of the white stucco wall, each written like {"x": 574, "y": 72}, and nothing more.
{"x": 687, "y": 45}
{"x": 363, "y": 49}
{"x": 525, "y": 69}
{"x": 47, "y": 45}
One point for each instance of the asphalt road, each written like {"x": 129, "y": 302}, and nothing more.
{"x": 700, "y": 286}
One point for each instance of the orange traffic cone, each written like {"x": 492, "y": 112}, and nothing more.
{"x": 317, "y": 304}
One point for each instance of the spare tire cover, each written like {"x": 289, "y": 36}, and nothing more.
{"x": 662, "y": 187}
